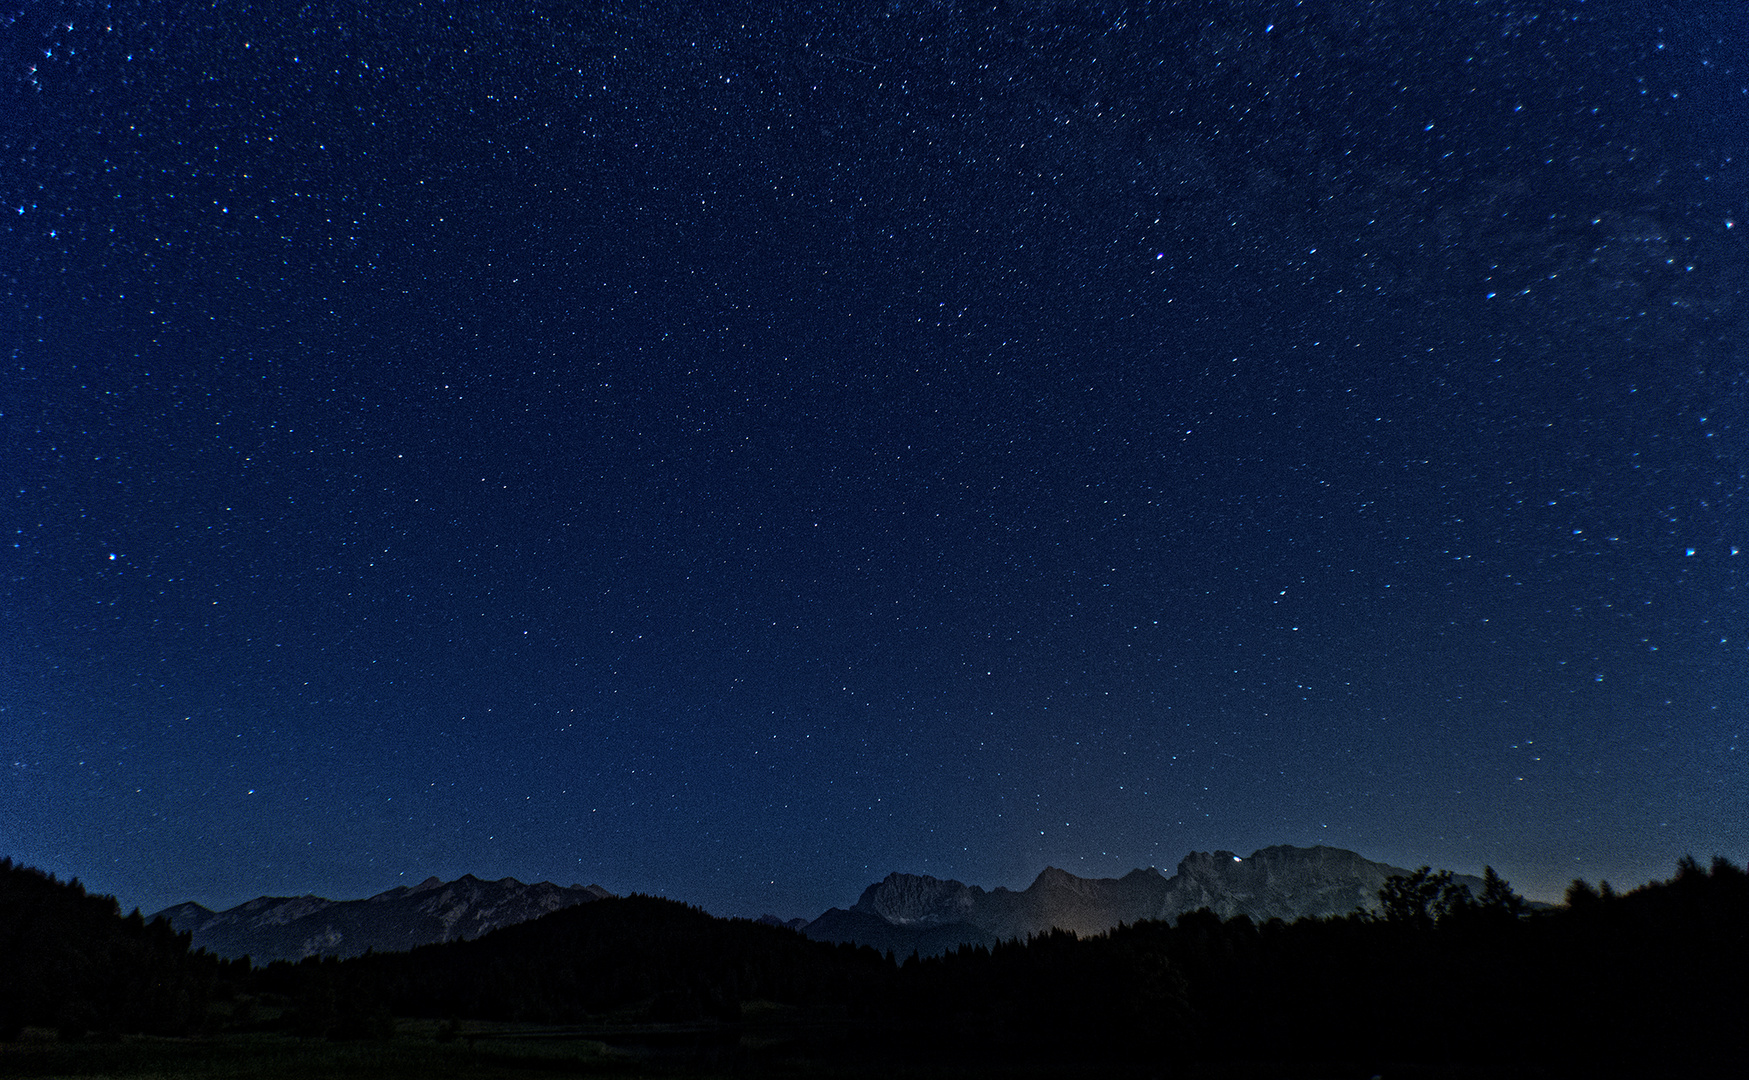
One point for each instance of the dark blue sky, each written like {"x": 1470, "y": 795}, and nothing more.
{"x": 736, "y": 456}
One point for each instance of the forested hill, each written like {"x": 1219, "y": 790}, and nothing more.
{"x": 73, "y": 962}
{"x": 673, "y": 961}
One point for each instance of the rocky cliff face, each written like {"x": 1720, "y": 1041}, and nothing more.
{"x": 906, "y": 899}
{"x": 1279, "y": 883}
{"x": 290, "y": 928}
{"x": 907, "y": 911}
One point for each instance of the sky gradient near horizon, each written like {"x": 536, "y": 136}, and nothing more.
{"x": 735, "y": 456}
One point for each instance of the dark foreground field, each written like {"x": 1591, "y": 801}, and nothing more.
{"x": 524, "y": 1052}
{"x": 280, "y": 1057}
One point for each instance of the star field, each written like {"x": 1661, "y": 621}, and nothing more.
{"x": 736, "y": 456}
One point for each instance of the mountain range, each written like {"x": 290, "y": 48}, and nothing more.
{"x": 901, "y": 914}
{"x": 292, "y": 927}
{"x": 907, "y": 912}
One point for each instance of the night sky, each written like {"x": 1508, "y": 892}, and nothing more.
{"x": 738, "y": 456}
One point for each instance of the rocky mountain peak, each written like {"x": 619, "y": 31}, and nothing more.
{"x": 1051, "y": 879}
{"x": 903, "y": 899}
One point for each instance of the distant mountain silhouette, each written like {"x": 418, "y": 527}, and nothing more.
{"x": 292, "y": 927}
{"x": 907, "y": 912}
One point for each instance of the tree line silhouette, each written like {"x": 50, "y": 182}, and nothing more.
{"x": 1649, "y": 980}
{"x": 72, "y": 962}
